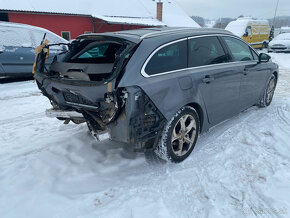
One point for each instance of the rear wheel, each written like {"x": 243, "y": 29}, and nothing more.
{"x": 269, "y": 92}
{"x": 178, "y": 138}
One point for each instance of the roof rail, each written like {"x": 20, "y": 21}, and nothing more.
{"x": 164, "y": 32}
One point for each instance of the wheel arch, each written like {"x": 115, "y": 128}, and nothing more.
{"x": 275, "y": 73}
{"x": 200, "y": 113}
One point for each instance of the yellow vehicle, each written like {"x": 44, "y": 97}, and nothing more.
{"x": 255, "y": 32}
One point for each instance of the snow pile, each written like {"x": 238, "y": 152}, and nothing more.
{"x": 240, "y": 168}
{"x": 282, "y": 59}
{"x": 126, "y": 11}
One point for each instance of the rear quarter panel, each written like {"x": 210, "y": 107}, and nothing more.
{"x": 168, "y": 92}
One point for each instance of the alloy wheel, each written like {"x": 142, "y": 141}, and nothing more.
{"x": 183, "y": 135}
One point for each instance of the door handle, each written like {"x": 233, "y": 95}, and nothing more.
{"x": 208, "y": 79}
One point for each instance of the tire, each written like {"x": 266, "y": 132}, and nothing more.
{"x": 269, "y": 92}
{"x": 178, "y": 138}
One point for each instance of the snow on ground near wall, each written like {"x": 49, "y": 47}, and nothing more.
{"x": 238, "y": 169}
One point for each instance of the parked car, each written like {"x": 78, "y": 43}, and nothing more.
{"x": 156, "y": 89}
{"x": 17, "y": 44}
{"x": 280, "y": 43}
{"x": 255, "y": 32}
{"x": 285, "y": 29}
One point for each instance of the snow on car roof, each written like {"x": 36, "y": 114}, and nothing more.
{"x": 126, "y": 11}
{"x": 26, "y": 26}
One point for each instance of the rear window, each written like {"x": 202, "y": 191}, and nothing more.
{"x": 97, "y": 53}
{"x": 169, "y": 58}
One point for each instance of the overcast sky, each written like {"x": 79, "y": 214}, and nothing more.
{"x": 234, "y": 8}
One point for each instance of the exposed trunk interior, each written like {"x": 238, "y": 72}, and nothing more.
{"x": 92, "y": 60}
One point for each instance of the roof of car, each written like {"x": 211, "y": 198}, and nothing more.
{"x": 140, "y": 34}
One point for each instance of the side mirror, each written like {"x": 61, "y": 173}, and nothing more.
{"x": 246, "y": 34}
{"x": 264, "y": 58}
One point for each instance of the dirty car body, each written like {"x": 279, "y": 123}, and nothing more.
{"x": 131, "y": 83}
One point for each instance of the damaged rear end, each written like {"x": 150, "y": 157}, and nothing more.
{"x": 82, "y": 86}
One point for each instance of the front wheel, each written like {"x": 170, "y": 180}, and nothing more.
{"x": 178, "y": 138}
{"x": 269, "y": 92}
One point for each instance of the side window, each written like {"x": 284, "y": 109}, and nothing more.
{"x": 17, "y": 37}
{"x": 240, "y": 50}
{"x": 171, "y": 57}
{"x": 206, "y": 51}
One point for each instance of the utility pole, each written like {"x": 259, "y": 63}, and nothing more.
{"x": 275, "y": 13}
{"x": 274, "y": 22}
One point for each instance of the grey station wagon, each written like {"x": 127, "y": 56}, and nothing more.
{"x": 156, "y": 89}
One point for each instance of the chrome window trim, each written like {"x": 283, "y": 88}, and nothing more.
{"x": 144, "y": 74}
{"x": 153, "y": 53}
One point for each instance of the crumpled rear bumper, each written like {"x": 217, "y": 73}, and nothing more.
{"x": 138, "y": 123}
{"x": 71, "y": 95}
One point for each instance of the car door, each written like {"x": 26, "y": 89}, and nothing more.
{"x": 217, "y": 79}
{"x": 254, "y": 75}
{"x": 18, "y": 55}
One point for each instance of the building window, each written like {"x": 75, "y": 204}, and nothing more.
{"x": 65, "y": 35}
{"x": 4, "y": 16}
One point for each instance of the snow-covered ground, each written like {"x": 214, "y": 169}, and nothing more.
{"x": 240, "y": 168}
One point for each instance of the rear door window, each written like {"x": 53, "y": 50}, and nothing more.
{"x": 169, "y": 58}
{"x": 240, "y": 50}
{"x": 206, "y": 51}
